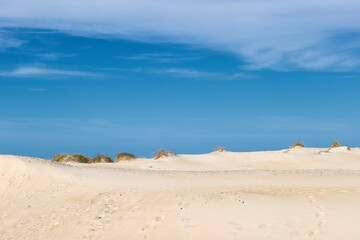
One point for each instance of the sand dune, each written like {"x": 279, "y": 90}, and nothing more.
{"x": 304, "y": 193}
{"x": 297, "y": 158}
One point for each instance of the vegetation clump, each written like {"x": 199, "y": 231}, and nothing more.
{"x": 336, "y": 144}
{"x": 297, "y": 144}
{"x": 101, "y": 159}
{"x": 124, "y": 157}
{"x": 161, "y": 153}
{"x": 77, "y": 158}
{"x": 59, "y": 157}
{"x": 220, "y": 149}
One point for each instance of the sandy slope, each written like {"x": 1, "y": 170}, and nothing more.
{"x": 298, "y": 158}
{"x": 266, "y": 195}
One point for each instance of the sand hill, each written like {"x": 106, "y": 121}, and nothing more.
{"x": 301, "y": 194}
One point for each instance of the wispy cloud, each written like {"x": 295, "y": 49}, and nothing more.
{"x": 6, "y": 41}
{"x": 54, "y": 56}
{"x": 277, "y": 34}
{"x": 192, "y": 73}
{"x": 38, "y": 89}
{"x": 160, "y": 57}
{"x": 35, "y": 71}
{"x": 179, "y": 72}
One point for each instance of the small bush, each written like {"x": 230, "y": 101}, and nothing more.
{"x": 124, "y": 157}
{"x": 335, "y": 144}
{"x": 59, "y": 157}
{"x": 161, "y": 153}
{"x": 220, "y": 149}
{"x": 77, "y": 158}
{"x": 297, "y": 144}
{"x": 101, "y": 159}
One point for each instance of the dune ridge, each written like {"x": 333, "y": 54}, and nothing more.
{"x": 302, "y": 194}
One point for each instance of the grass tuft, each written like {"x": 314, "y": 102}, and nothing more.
{"x": 220, "y": 149}
{"x": 161, "y": 153}
{"x": 124, "y": 157}
{"x": 101, "y": 159}
{"x": 297, "y": 144}
{"x": 336, "y": 144}
{"x": 77, "y": 158}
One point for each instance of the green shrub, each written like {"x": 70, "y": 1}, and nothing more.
{"x": 77, "y": 158}
{"x": 101, "y": 159}
{"x": 59, "y": 157}
{"x": 124, "y": 157}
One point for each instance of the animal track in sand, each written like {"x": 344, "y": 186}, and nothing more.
{"x": 319, "y": 216}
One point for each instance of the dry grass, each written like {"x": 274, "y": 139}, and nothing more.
{"x": 59, "y": 157}
{"x": 161, "y": 153}
{"x": 336, "y": 144}
{"x": 124, "y": 157}
{"x": 297, "y": 144}
{"x": 220, "y": 149}
{"x": 77, "y": 158}
{"x": 101, "y": 159}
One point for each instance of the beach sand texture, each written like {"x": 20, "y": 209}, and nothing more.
{"x": 302, "y": 193}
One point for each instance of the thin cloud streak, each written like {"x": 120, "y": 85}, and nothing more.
{"x": 38, "y": 89}
{"x": 54, "y": 56}
{"x": 193, "y": 73}
{"x": 178, "y": 72}
{"x": 35, "y": 71}
{"x": 160, "y": 57}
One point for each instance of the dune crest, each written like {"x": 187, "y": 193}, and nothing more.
{"x": 259, "y": 195}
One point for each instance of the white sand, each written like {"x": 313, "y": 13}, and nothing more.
{"x": 299, "y": 194}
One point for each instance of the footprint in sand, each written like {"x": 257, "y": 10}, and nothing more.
{"x": 186, "y": 219}
{"x": 319, "y": 215}
{"x": 101, "y": 221}
{"x": 235, "y": 229}
{"x": 146, "y": 230}
{"x": 159, "y": 218}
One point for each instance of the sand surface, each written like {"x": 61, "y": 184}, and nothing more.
{"x": 305, "y": 193}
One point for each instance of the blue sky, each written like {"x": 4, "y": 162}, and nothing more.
{"x": 133, "y": 78}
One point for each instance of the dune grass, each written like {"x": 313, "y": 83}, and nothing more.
{"x": 101, "y": 159}
{"x": 336, "y": 144}
{"x": 162, "y": 153}
{"x": 296, "y": 144}
{"x": 124, "y": 157}
{"x": 77, "y": 158}
{"x": 220, "y": 149}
